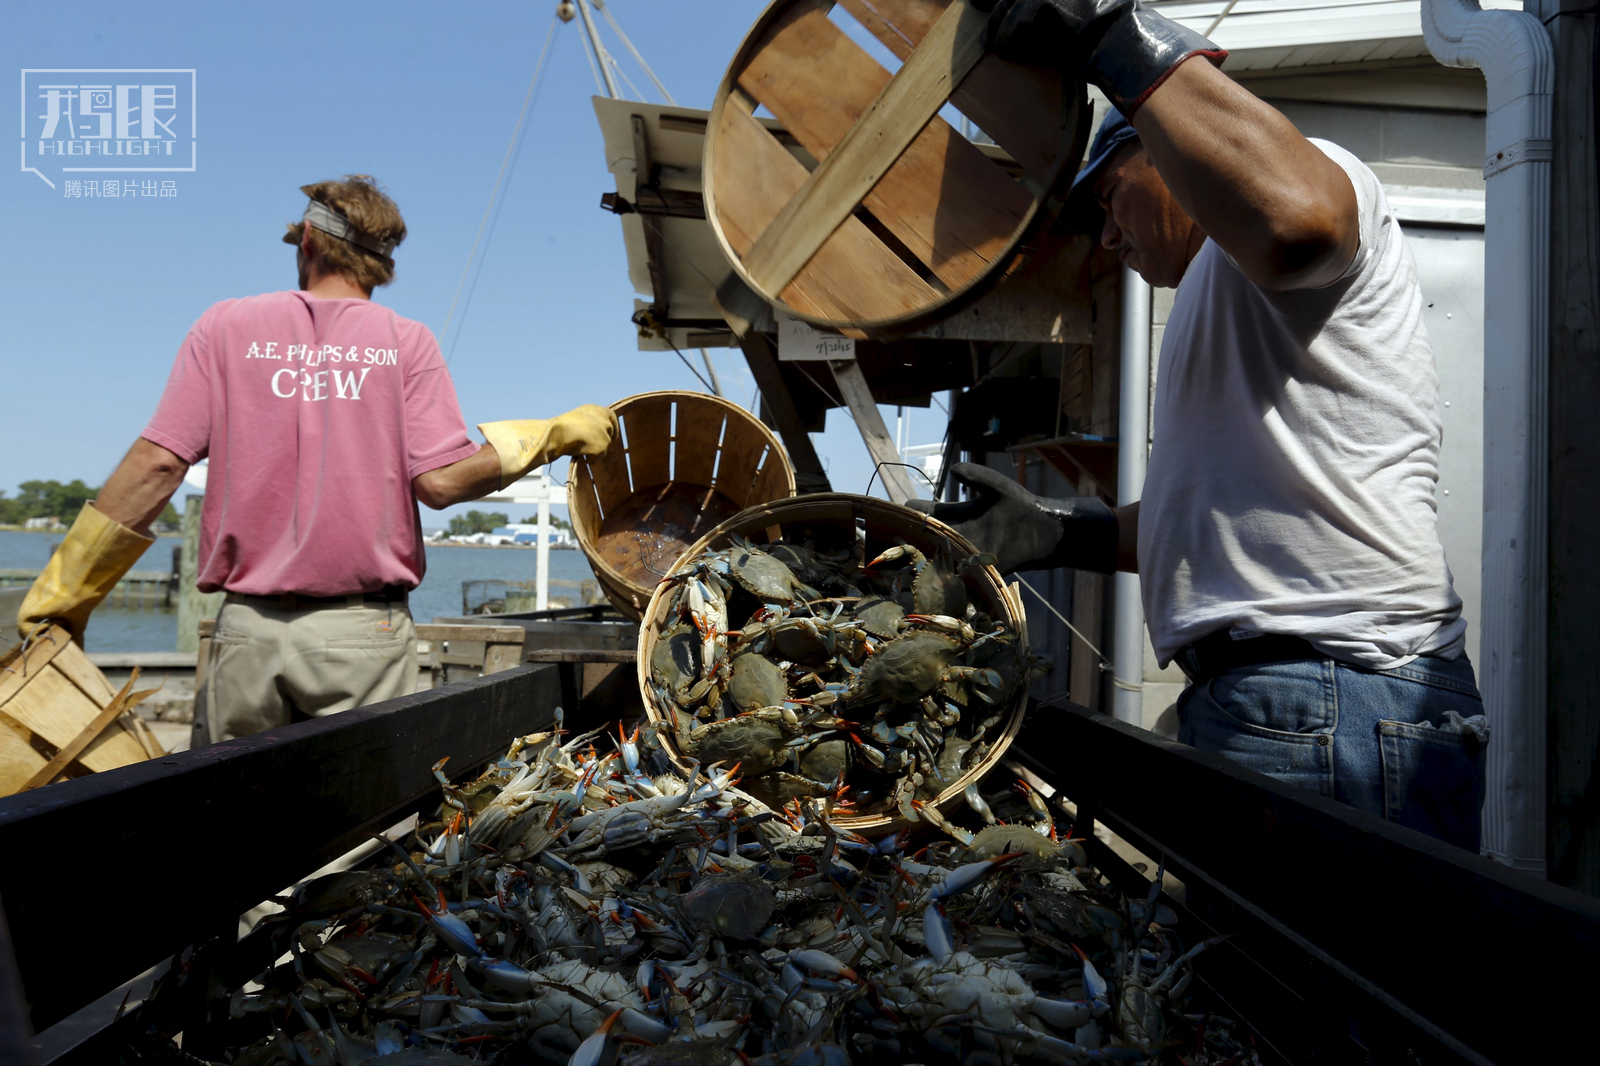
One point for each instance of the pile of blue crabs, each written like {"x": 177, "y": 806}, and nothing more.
{"x": 813, "y": 668}
{"x": 580, "y": 906}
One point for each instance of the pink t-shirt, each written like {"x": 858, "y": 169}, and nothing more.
{"x": 316, "y": 415}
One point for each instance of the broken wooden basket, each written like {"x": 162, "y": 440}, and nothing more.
{"x": 903, "y": 221}
{"x": 682, "y": 462}
{"x": 59, "y": 717}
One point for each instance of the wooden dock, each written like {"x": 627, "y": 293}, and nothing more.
{"x": 140, "y": 588}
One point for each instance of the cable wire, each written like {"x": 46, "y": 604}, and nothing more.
{"x": 511, "y": 151}
{"x": 1104, "y": 663}
{"x": 637, "y": 58}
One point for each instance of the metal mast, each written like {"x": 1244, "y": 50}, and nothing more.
{"x": 602, "y": 57}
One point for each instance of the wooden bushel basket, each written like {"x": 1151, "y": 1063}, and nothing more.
{"x": 903, "y": 221}
{"x": 683, "y": 462}
{"x": 884, "y": 525}
{"x": 59, "y": 715}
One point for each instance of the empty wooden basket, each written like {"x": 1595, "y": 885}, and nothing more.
{"x": 683, "y": 462}
{"x": 883, "y": 218}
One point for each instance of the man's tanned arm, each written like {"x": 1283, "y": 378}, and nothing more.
{"x": 1277, "y": 204}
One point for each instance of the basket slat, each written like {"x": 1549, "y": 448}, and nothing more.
{"x": 943, "y": 198}
{"x": 18, "y": 760}
{"x": 609, "y": 472}
{"x": 1004, "y": 100}
{"x": 742, "y": 451}
{"x": 699, "y": 430}
{"x": 854, "y": 276}
{"x": 649, "y": 458}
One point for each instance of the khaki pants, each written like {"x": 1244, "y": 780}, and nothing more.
{"x": 270, "y": 666}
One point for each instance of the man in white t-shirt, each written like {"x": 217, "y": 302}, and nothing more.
{"x": 1286, "y": 537}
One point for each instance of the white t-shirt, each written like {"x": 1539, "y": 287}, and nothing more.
{"x": 1296, "y": 449}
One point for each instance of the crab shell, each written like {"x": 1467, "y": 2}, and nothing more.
{"x": 778, "y": 789}
{"x": 880, "y": 616}
{"x": 907, "y": 668}
{"x": 756, "y": 744}
{"x": 731, "y": 905}
{"x": 675, "y": 660}
{"x": 756, "y": 682}
{"x": 825, "y": 760}
{"x": 994, "y": 840}
{"x": 763, "y": 576}
{"x": 936, "y": 590}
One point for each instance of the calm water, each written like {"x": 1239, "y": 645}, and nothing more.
{"x": 115, "y": 629}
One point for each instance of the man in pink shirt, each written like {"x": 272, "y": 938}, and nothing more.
{"x": 326, "y": 417}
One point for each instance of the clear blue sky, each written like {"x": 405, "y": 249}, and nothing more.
{"x": 424, "y": 96}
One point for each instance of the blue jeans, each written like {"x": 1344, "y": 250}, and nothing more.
{"x": 1363, "y": 737}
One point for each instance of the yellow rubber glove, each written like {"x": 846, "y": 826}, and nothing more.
{"x": 85, "y": 568}
{"x": 525, "y": 443}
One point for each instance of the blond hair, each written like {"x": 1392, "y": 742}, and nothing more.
{"x": 367, "y": 208}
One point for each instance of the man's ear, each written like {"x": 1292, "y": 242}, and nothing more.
{"x": 305, "y": 240}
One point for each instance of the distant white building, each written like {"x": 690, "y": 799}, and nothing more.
{"x": 528, "y": 533}
{"x": 49, "y": 524}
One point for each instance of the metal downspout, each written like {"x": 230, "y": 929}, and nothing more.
{"x": 1514, "y": 53}
{"x": 1133, "y": 435}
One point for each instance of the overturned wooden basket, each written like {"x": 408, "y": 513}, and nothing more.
{"x": 683, "y": 462}
{"x": 883, "y": 218}
{"x": 841, "y": 517}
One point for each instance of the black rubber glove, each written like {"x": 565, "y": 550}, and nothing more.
{"x": 1119, "y": 45}
{"x": 1026, "y": 532}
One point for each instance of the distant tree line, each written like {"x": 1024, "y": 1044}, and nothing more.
{"x": 46, "y": 499}
{"x": 477, "y": 522}
{"x": 488, "y": 521}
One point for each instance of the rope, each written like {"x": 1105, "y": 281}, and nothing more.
{"x": 516, "y": 139}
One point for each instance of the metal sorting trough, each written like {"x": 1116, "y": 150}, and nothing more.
{"x": 1355, "y": 940}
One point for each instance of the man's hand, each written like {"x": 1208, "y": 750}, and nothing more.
{"x": 1026, "y": 532}
{"x": 105, "y": 541}
{"x": 93, "y": 557}
{"x": 1282, "y": 210}
{"x": 1118, "y": 45}
{"x": 523, "y": 444}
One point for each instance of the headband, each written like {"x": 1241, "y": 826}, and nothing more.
{"x": 320, "y": 216}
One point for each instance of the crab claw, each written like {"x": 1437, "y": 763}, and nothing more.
{"x": 1093, "y": 983}
{"x": 899, "y": 551}
{"x": 456, "y": 934}
{"x": 822, "y": 962}
{"x": 593, "y": 1051}
{"x": 962, "y": 878}
{"x": 936, "y": 932}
